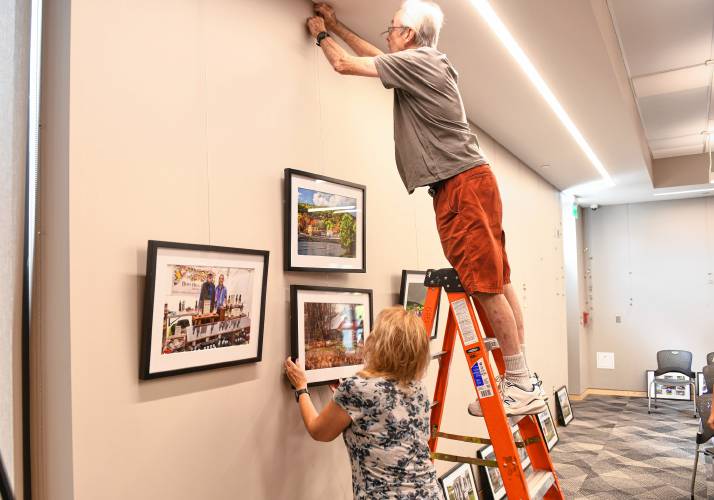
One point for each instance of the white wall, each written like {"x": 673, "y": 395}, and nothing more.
{"x": 652, "y": 265}
{"x": 14, "y": 59}
{"x": 213, "y": 99}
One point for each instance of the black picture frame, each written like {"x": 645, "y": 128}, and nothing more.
{"x": 298, "y": 293}
{"x": 547, "y": 428}
{"x": 164, "y": 250}
{"x": 564, "y": 408}
{"x": 491, "y": 478}
{"x": 293, "y": 260}
{"x": 406, "y": 286}
{"x": 460, "y": 471}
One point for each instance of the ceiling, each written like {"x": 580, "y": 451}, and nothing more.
{"x": 630, "y": 74}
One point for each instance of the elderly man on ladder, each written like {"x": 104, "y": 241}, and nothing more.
{"x": 435, "y": 147}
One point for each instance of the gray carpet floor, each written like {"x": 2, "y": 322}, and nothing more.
{"x": 613, "y": 449}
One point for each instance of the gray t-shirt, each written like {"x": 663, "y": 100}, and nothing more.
{"x": 432, "y": 138}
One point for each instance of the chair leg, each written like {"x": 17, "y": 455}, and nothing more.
{"x": 694, "y": 398}
{"x": 694, "y": 472}
{"x": 649, "y": 398}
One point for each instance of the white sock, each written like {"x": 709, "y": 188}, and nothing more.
{"x": 523, "y": 351}
{"x": 517, "y": 371}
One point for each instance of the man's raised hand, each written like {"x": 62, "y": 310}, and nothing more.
{"x": 326, "y": 12}
{"x": 316, "y": 25}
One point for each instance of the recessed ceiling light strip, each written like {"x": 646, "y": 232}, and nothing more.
{"x": 688, "y": 191}
{"x": 495, "y": 23}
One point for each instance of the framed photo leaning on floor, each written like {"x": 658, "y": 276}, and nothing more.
{"x": 565, "y": 410}
{"x": 412, "y": 296}
{"x": 204, "y": 307}
{"x": 459, "y": 483}
{"x": 329, "y": 326}
{"x": 547, "y": 427}
{"x": 491, "y": 475}
{"x": 324, "y": 223}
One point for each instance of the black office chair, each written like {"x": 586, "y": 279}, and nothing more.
{"x": 704, "y": 405}
{"x": 671, "y": 361}
{"x": 710, "y": 359}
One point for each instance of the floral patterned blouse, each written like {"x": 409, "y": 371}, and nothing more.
{"x": 388, "y": 439}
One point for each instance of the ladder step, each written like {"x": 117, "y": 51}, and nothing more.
{"x": 438, "y": 355}
{"x": 539, "y": 483}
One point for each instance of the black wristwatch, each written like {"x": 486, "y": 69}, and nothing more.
{"x": 301, "y": 391}
{"x": 321, "y": 36}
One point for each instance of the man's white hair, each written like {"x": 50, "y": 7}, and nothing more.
{"x": 425, "y": 18}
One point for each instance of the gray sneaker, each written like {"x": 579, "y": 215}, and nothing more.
{"x": 516, "y": 400}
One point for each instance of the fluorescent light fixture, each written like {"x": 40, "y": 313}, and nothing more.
{"x": 704, "y": 190}
{"x": 490, "y": 16}
{"x": 326, "y": 209}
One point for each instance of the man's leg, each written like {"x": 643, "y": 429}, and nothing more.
{"x": 512, "y": 299}
{"x": 503, "y": 321}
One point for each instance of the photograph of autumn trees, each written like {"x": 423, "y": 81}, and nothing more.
{"x": 327, "y": 224}
{"x": 334, "y": 335}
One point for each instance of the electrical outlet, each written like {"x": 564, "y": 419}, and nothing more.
{"x": 606, "y": 360}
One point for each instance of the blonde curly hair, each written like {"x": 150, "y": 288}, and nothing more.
{"x": 398, "y": 347}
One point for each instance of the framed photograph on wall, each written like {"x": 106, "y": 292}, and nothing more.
{"x": 701, "y": 384}
{"x": 329, "y": 326}
{"x": 204, "y": 307}
{"x": 324, "y": 224}
{"x": 492, "y": 476}
{"x": 412, "y": 296}
{"x": 565, "y": 410}
{"x": 459, "y": 484}
{"x": 678, "y": 392}
{"x": 547, "y": 427}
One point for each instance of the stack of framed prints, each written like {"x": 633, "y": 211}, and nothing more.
{"x": 678, "y": 392}
{"x": 412, "y": 296}
{"x": 565, "y": 410}
{"x": 329, "y": 327}
{"x": 204, "y": 307}
{"x": 547, "y": 427}
{"x": 324, "y": 224}
{"x": 459, "y": 484}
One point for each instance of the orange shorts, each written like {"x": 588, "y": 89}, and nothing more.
{"x": 468, "y": 218}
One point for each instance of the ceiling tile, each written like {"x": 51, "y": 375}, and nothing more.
{"x": 675, "y": 114}
{"x": 659, "y": 35}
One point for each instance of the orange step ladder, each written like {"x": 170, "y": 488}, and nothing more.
{"x": 543, "y": 483}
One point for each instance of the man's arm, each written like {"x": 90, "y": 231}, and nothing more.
{"x": 360, "y": 46}
{"x": 340, "y": 60}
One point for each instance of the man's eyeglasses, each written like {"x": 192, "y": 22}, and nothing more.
{"x": 389, "y": 30}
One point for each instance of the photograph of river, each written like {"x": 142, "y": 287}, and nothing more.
{"x": 326, "y": 224}
{"x": 334, "y": 335}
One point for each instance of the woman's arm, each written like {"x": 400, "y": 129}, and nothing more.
{"x": 326, "y": 425}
